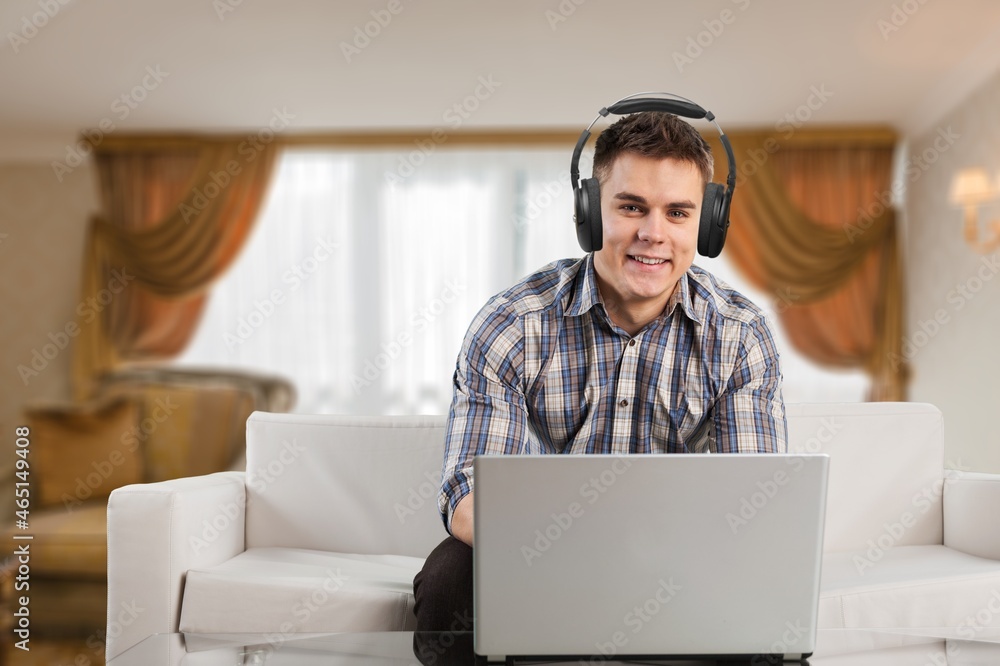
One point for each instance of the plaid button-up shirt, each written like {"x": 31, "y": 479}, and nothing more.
{"x": 544, "y": 370}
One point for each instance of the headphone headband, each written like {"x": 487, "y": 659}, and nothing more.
{"x": 679, "y": 106}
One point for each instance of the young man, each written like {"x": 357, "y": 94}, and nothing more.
{"x": 628, "y": 350}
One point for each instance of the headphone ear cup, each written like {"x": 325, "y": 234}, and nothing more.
{"x": 714, "y": 221}
{"x": 589, "y": 226}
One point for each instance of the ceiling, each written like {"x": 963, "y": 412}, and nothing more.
{"x": 232, "y": 64}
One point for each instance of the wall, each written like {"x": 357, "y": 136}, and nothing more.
{"x": 953, "y": 292}
{"x": 42, "y": 226}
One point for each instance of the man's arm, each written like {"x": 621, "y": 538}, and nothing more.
{"x": 461, "y": 520}
{"x": 487, "y": 414}
{"x": 749, "y": 416}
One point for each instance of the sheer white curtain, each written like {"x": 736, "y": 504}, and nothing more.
{"x": 374, "y": 324}
{"x": 359, "y": 287}
{"x": 287, "y": 304}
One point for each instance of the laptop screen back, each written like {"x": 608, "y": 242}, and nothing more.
{"x": 647, "y": 554}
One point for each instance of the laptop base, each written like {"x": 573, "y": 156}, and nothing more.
{"x": 750, "y": 659}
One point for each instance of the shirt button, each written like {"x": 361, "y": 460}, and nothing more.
{"x": 631, "y": 343}
{"x": 623, "y": 403}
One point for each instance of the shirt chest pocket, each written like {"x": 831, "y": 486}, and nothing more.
{"x": 679, "y": 424}
{"x": 588, "y": 421}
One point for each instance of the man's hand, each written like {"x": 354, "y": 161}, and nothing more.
{"x": 461, "y": 520}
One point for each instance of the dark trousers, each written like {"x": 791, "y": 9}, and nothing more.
{"x": 442, "y": 591}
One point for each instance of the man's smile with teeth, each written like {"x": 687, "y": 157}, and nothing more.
{"x": 646, "y": 260}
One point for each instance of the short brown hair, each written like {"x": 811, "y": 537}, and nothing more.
{"x": 652, "y": 134}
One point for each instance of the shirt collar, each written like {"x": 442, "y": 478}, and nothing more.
{"x": 585, "y": 294}
{"x": 683, "y": 297}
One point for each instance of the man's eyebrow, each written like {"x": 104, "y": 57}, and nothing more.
{"x": 628, "y": 196}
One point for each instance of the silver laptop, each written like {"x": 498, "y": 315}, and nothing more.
{"x": 648, "y": 556}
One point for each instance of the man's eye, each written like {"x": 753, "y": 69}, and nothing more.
{"x": 630, "y": 208}
{"x": 679, "y": 214}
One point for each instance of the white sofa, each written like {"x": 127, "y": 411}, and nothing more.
{"x": 326, "y": 529}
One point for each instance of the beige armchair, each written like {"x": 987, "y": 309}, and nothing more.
{"x": 146, "y": 424}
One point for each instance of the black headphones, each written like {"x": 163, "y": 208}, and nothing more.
{"x": 714, "y": 221}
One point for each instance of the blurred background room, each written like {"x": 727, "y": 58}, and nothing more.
{"x": 209, "y": 207}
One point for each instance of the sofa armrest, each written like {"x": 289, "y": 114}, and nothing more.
{"x": 156, "y": 533}
{"x": 971, "y": 505}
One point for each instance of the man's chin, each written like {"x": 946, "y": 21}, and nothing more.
{"x": 662, "y": 293}
{"x": 665, "y": 284}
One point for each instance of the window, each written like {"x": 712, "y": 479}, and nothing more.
{"x": 358, "y": 284}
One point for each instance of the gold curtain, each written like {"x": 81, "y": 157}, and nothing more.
{"x": 812, "y": 224}
{"x": 175, "y": 213}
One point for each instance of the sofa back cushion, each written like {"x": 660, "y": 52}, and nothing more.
{"x": 369, "y": 484}
{"x": 886, "y": 471}
{"x": 81, "y": 452}
{"x": 192, "y": 421}
{"x": 349, "y": 484}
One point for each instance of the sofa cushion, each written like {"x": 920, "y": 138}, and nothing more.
{"x": 191, "y": 429}
{"x": 293, "y": 590}
{"x": 69, "y": 543}
{"x": 82, "y": 452}
{"x": 910, "y": 586}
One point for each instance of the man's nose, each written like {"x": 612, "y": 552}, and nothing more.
{"x": 654, "y": 228}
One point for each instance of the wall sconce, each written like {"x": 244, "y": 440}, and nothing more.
{"x": 970, "y": 188}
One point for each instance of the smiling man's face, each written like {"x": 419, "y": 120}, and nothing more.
{"x": 650, "y": 209}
